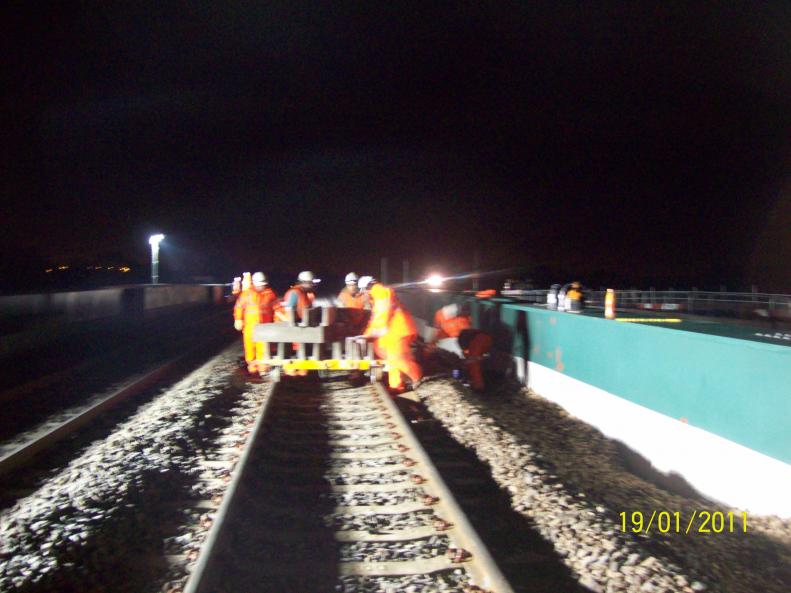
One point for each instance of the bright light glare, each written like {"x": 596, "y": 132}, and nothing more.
{"x": 156, "y": 239}
{"x": 434, "y": 281}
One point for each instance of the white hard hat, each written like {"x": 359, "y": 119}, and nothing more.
{"x": 351, "y": 278}
{"x": 450, "y": 311}
{"x": 365, "y": 282}
{"x": 305, "y": 276}
{"x": 259, "y": 279}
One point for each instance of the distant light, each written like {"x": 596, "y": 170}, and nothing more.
{"x": 110, "y": 267}
{"x": 63, "y": 267}
{"x": 48, "y": 270}
{"x": 154, "y": 241}
{"x": 125, "y": 269}
{"x": 434, "y": 281}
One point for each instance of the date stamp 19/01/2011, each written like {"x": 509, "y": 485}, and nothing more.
{"x": 674, "y": 522}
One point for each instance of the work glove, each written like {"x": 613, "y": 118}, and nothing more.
{"x": 238, "y": 325}
{"x": 362, "y": 340}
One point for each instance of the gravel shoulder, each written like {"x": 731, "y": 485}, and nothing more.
{"x": 573, "y": 482}
{"x": 107, "y": 520}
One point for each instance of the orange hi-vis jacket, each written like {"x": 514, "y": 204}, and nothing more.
{"x": 255, "y": 306}
{"x": 352, "y": 301}
{"x": 473, "y": 342}
{"x": 394, "y": 330}
{"x": 388, "y": 316}
{"x": 298, "y": 299}
{"x": 450, "y": 327}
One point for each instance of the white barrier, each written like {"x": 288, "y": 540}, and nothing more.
{"x": 104, "y": 302}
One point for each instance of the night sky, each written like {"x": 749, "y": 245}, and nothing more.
{"x": 634, "y": 143}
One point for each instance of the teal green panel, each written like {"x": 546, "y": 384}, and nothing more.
{"x": 739, "y": 389}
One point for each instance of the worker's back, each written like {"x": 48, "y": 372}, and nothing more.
{"x": 449, "y": 323}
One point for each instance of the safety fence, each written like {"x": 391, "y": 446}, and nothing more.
{"x": 700, "y": 302}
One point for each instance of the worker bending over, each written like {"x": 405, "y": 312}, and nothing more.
{"x": 453, "y": 321}
{"x": 393, "y": 329}
{"x": 255, "y": 305}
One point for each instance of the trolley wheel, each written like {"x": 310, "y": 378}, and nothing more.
{"x": 275, "y": 373}
{"x": 324, "y": 373}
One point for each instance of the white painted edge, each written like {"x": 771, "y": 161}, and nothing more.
{"x": 720, "y": 469}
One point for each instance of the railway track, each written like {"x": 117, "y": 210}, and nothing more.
{"x": 24, "y": 446}
{"x": 335, "y": 493}
{"x": 67, "y": 375}
{"x": 120, "y": 507}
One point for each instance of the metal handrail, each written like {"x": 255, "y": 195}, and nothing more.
{"x": 688, "y": 298}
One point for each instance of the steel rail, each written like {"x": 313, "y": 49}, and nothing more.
{"x": 199, "y": 571}
{"x": 49, "y": 433}
{"x": 484, "y": 568}
{"x": 12, "y": 392}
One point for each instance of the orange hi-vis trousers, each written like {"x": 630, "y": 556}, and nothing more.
{"x": 397, "y": 355}
{"x": 251, "y": 308}
{"x": 252, "y": 350}
{"x": 480, "y": 345}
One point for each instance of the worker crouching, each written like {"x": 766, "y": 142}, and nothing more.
{"x": 255, "y": 305}
{"x": 393, "y": 331}
{"x": 454, "y": 322}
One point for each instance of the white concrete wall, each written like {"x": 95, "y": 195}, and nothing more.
{"x": 88, "y": 304}
{"x": 716, "y": 467}
{"x": 719, "y": 469}
{"x": 103, "y": 302}
{"x": 155, "y": 297}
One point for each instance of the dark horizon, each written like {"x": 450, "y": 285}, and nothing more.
{"x": 641, "y": 144}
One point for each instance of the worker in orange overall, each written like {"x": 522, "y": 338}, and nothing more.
{"x": 299, "y": 297}
{"x": 255, "y": 305}
{"x": 393, "y": 329}
{"x": 453, "y": 321}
